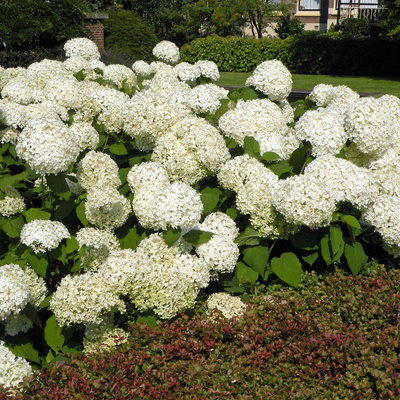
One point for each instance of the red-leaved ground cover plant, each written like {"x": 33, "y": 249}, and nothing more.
{"x": 329, "y": 339}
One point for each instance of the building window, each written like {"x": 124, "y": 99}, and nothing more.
{"x": 309, "y": 5}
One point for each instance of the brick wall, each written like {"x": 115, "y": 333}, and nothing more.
{"x": 94, "y": 28}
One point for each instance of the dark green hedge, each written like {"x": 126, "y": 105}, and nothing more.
{"x": 23, "y": 58}
{"x": 310, "y": 53}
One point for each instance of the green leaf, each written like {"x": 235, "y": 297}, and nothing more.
{"x": 232, "y": 212}
{"x": 132, "y": 239}
{"x": 310, "y": 258}
{"x": 80, "y": 76}
{"x": 123, "y": 173}
{"x": 53, "y": 334}
{"x": 12, "y": 226}
{"x": 251, "y": 147}
{"x": 300, "y": 157}
{"x": 288, "y": 268}
{"x": 31, "y": 312}
{"x": 210, "y": 198}
{"x": 249, "y": 237}
{"x": 325, "y": 250}
{"x": 118, "y": 149}
{"x": 11, "y": 180}
{"x": 306, "y": 240}
{"x": 39, "y": 265}
{"x": 281, "y": 168}
{"x": 197, "y": 237}
{"x": 246, "y": 274}
{"x": 57, "y": 183}
{"x": 171, "y": 235}
{"x": 232, "y": 285}
{"x": 80, "y": 213}
{"x": 71, "y": 245}
{"x": 257, "y": 258}
{"x": 21, "y": 346}
{"x": 247, "y": 93}
{"x": 149, "y": 320}
{"x": 64, "y": 209}
{"x": 36, "y": 213}
{"x": 355, "y": 256}
{"x": 350, "y": 220}
{"x": 336, "y": 242}
{"x": 270, "y": 156}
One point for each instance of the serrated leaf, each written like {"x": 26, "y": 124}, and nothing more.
{"x": 11, "y": 180}
{"x": 80, "y": 213}
{"x": 132, "y": 239}
{"x": 355, "y": 256}
{"x": 232, "y": 212}
{"x": 251, "y": 147}
{"x": 12, "y": 226}
{"x": 123, "y": 173}
{"x": 281, "y": 168}
{"x": 197, "y": 237}
{"x": 71, "y": 245}
{"x": 53, "y": 334}
{"x": 36, "y": 213}
{"x": 57, "y": 183}
{"x": 21, "y": 346}
{"x": 210, "y": 198}
{"x": 325, "y": 250}
{"x": 46, "y": 302}
{"x": 39, "y": 265}
{"x": 287, "y": 268}
{"x": 257, "y": 258}
{"x": 249, "y": 237}
{"x": 64, "y": 209}
{"x": 118, "y": 149}
{"x": 171, "y": 235}
{"x": 270, "y": 156}
{"x": 300, "y": 157}
{"x": 247, "y": 93}
{"x": 246, "y": 274}
{"x": 306, "y": 240}
{"x": 351, "y": 221}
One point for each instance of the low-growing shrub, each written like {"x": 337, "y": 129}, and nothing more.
{"x": 330, "y": 339}
{"x": 23, "y": 58}
{"x": 309, "y": 53}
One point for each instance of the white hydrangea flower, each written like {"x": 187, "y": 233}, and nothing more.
{"x": 320, "y": 94}
{"x": 47, "y": 145}
{"x": 120, "y": 75}
{"x": 97, "y": 169}
{"x": 220, "y": 224}
{"x": 77, "y": 64}
{"x": 167, "y": 52}
{"x": 14, "y": 291}
{"x": 392, "y": 102}
{"x": 287, "y": 111}
{"x": 142, "y": 206}
{"x": 12, "y": 203}
{"x": 229, "y": 306}
{"x": 261, "y": 119}
{"x": 103, "y": 336}
{"x": 370, "y": 125}
{"x": 36, "y": 285}
{"x": 44, "y": 70}
{"x": 43, "y": 109}
{"x": 187, "y": 72}
{"x": 84, "y": 299}
{"x": 41, "y": 235}
{"x": 323, "y": 130}
{"x": 9, "y": 135}
{"x": 13, "y": 369}
{"x": 142, "y": 68}
{"x": 82, "y": 47}
{"x": 106, "y": 208}
{"x": 65, "y": 93}
{"x": 166, "y": 281}
{"x": 15, "y": 324}
{"x": 85, "y": 135}
{"x": 4, "y": 77}
{"x": 13, "y": 114}
{"x": 302, "y": 201}
{"x": 272, "y": 78}
{"x": 147, "y": 175}
{"x": 208, "y": 69}
{"x": 206, "y": 98}
{"x": 177, "y": 206}
{"x": 341, "y": 97}
{"x": 23, "y": 90}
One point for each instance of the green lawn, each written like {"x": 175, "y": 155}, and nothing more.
{"x": 376, "y": 85}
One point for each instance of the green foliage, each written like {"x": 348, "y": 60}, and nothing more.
{"x": 390, "y": 19}
{"x": 355, "y": 28}
{"x": 287, "y": 25}
{"x": 309, "y": 53}
{"x": 28, "y": 24}
{"x": 23, "y": 58}
{"x": 127, "y": 33}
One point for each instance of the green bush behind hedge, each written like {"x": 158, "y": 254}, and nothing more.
{"x": 310, "y": 53}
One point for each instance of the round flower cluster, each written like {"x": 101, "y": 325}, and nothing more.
{"x": 41, "y": 235}
{"x": 15, "y": 324}
{"x": 187, "y": 72}
{"x": 86, "y": 136}
{"x": 47, "y": 145}
{"x": 13, "y": 114}
{"x": 261, "y": 119}
{"x": 323, "y": 130}
{"x": 82, "y": 47}
{"x": 208, "y": 69}
{"x": 229, "y": 306}
{"x": 272, "y": 78}
{"x": 142, "y": 68}
{"x": 12, "y": 203}
{"x": 13, "y": 370}
{"x": 167, "y": 52}
{"x": 120, "y": 75}
{"x": 23, "y": 90}
{"x": 206, "y": 98}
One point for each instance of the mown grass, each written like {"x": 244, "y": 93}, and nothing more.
{"x": 376, "y": 85}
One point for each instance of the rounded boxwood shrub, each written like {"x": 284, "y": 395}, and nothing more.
{"x": 128, "y": 33}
